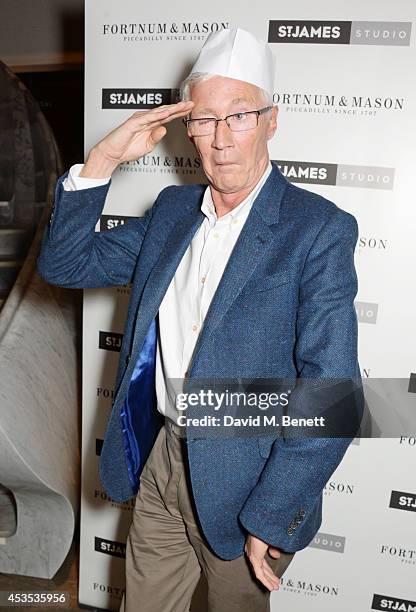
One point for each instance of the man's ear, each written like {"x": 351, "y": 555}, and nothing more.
{"x": 187, "y": 132}
{"x": 272, "y": 127}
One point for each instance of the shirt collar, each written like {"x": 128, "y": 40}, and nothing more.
{"x": 208, "y": 207}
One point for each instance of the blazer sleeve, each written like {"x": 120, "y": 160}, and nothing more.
{"x": 74, "y": 255}
{"x": 289, "y": 489}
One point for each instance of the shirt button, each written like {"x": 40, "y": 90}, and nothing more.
{"x": 235, "y": 220}
{"x": 216, "y": 235}
{"x": 203, "y": 279}
{"x": 194, "y": 327}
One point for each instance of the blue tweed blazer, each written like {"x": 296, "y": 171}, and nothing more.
{"x": 284, "y": 308}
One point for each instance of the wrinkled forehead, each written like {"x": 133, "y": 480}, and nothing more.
{"x": 223, "y": 92}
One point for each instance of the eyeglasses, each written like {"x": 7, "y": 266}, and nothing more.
{"x": 238, "y": 122}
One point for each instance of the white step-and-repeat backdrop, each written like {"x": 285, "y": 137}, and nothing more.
{"x": 345, "y": 87}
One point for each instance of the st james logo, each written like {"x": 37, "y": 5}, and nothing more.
{"x": 394, "y": 33}
{"x": 137, "y": 98}
{"x": 386, "y": 602}
{"x": 403, "y": 501}
{"x": 108, "y": 222}
{"x": 369, "y": 177}
{"x": 110, "y": 341}
{"x": 109, "y": 547}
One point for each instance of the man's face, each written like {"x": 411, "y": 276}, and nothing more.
{"x": 232, "y": 161}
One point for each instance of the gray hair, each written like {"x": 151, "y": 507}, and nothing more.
{"x": 197, "y": 77}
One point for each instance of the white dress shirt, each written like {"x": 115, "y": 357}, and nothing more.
{"x": 187, "y": 299}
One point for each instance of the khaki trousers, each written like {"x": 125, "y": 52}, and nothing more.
{"x": 166, "y": 550}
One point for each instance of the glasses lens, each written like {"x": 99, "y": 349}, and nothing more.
{"x": 201, "y": 127}
{"x": 242, "y": 121}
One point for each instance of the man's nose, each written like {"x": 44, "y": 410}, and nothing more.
{"x": 223, "y": 136}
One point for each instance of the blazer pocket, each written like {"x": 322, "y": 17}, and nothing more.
{"x": 267, "y": 282}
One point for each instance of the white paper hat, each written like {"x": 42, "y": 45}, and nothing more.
{"x": 237, "y": 54}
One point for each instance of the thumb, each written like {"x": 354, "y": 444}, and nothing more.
{"x": 156, "y": 135}
{"x": 274, "y": 552}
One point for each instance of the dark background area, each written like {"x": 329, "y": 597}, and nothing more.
{"x": 42, "y": 42}
{"x": 60, "y": 95}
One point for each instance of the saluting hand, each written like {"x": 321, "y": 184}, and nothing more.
{"x": 137, "y": 136}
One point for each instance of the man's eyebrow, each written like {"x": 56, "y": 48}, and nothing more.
{"x": 204, "y": 109}
{"x": 238, "y": 100}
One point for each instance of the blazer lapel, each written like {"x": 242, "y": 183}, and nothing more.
{"x": 250, "y": 247}
{"x": 163, "y": 271}
{"x": 246, "y": 254}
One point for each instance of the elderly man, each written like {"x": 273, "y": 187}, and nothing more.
{"x": 249, "y": 277}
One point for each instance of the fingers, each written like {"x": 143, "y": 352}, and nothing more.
{"x": 156, "y": 135}
{"x": 265, "y": 575}
{"x": 255, "y": 549}
{"x": 174, "y": 107}
{"x": 275, "y": 580}
{"x": 143, "y": 121}
{"x": 163, "y": 113}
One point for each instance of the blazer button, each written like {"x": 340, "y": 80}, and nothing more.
{"x": 301, "y": 512}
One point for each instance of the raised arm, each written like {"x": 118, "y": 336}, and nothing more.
{"x": 72, "y": 253}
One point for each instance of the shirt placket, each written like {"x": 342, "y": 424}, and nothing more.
{"x": 211, "y": 263}
{"x": 214, "y": 233}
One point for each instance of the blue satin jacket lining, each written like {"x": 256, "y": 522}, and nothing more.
{"x": 140, "y": 420}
